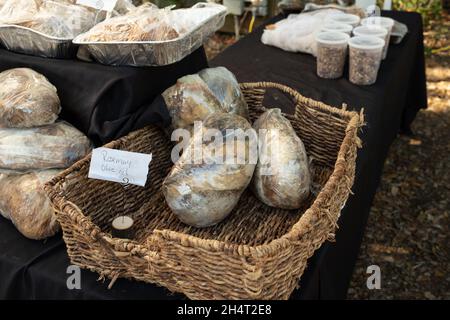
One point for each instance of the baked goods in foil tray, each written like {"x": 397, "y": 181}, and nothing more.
{"x": 43, "y": 28}
{"x": 147, "y": 35}
{"x": 57, "y": 19}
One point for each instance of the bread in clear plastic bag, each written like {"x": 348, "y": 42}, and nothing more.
{"x": 194, "y": 97}
{"x": 144, "y": 23}
{"x": 190, "y": 100}
{"x": 53, "y": 146}
{"x": 24, "y": 202}
{"x": 27, "y": 99}
{"x": 203, "y": 193}
{"x": 225, "y": 88}
{"x": 282, "y": 176}
{"x": 57, "y": 19}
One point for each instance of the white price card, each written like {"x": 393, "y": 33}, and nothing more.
{"x": 106, "y": 5}
{"x": 119, "y": 166}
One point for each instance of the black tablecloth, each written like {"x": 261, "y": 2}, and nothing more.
{"x": 31, "y": 269}
{"x": 107, "y": 102}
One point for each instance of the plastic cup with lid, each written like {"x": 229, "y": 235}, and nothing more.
{"x": 384, "y": 22}
{"x": 338, "y": 27}
{"x": 346, "y": 18}
{"x": 365, "y": 59}
{"x": 331, "y": 53}
{"x": 374, "y": 30}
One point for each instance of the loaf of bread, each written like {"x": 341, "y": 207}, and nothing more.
{"x": 202, "y": 192}
{"x": 194, "y": 97}
{"x": 27, "y": 99}
{"x": 190, "y": 100}
{"x": 225, "y": 88}
{"x": 282, "y": 176}
{"x": 24, "y": 202}
{"x": 54, "y": 146}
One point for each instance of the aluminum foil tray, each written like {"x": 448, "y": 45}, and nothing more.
{"x": 155, "y": 53}
{"x": 25, "y": 40}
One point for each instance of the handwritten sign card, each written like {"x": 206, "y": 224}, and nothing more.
{"x": 119, "y": 166}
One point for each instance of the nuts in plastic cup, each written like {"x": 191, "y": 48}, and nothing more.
{"x": 337, "y": 27}
{"x": 365, "y": 58}
{"x": 351, "y": 19}
{"x": 384, "y": 22}
{"x": 331, "y": 54}
{"x": 374, "y": 30}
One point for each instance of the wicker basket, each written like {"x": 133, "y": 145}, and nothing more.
{"x": 258, "y": 252}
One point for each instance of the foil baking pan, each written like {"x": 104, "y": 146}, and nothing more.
{"x": 25, "y": 40}
{"x": 155, "y": 53}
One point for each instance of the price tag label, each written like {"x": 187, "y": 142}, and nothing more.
{"x": 119, "y": 166}
{"x": 106, "y": 5}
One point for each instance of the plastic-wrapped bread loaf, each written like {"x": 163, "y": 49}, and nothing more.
{"x": 194, "y": 97}
{"x": 54, "y": 146}
{"x": 27, "y": 99}
{"x": 144, "y": 23}
{"x": 202, "y": 193}
{"x": 226, "y": 89}
{"x": 190, "y": 100}
{"x": 282, "y": 176}
{"x": 24, "y": 202}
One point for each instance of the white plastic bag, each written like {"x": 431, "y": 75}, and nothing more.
{"x": 297, "y": 32}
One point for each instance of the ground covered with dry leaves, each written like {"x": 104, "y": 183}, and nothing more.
{"x": 408, "y": 227}
{"x": 407, "y": 233}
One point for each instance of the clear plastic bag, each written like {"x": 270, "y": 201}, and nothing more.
{"x": 225, "y": 87}
{"x": 144, "y": 23}
{"x": 53, "y": 18}
{"x": 190, "y": 100}
{"x": 24, "y": 202}
{"x": 194, "y": 97}
{"x": 202, "y": 193}
{"x": 54, "y": 146}
{"x": 282, "y": 176}
{"x": 27, "y": 99}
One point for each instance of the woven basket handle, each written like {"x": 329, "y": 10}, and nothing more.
{"x": 297, "y": 99}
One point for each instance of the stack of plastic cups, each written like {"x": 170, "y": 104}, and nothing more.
{"x": 337, "y": 27}
{"x": 375, "y": 31}
{"x": 345, "y": 18}
{"x": 331, "y": 54}
{"x": 383, "y": 22}
{"x": 365, "y": 59}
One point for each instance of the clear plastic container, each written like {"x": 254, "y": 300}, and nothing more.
{"x": 365, "y": 58}
{"x": 383, "y": 22}
{"x": 331, "y": 53}
{"x": 346, "y": 18}
{"x": 374, "y": 30}
{"x": 337, "y": 27}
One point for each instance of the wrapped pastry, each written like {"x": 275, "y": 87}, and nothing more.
{"x": 282, "y": 176}
{"x": 144, "y": 23}
{"x": 24, "y": 202}
{"x": 190, "y": 100}
{"x": 202, "y": 192}
{"x": 27, "y": 99}
{"x": 17, "y": 11}
{"x": 58, "y": 19}
{"x": 194, "y": 97}
{"x": 54, "y": 146}
{"x": 226, "y": 89}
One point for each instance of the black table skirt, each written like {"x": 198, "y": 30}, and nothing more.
{"x": 107, "y": 102}
{"x": 33, "y": 269}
